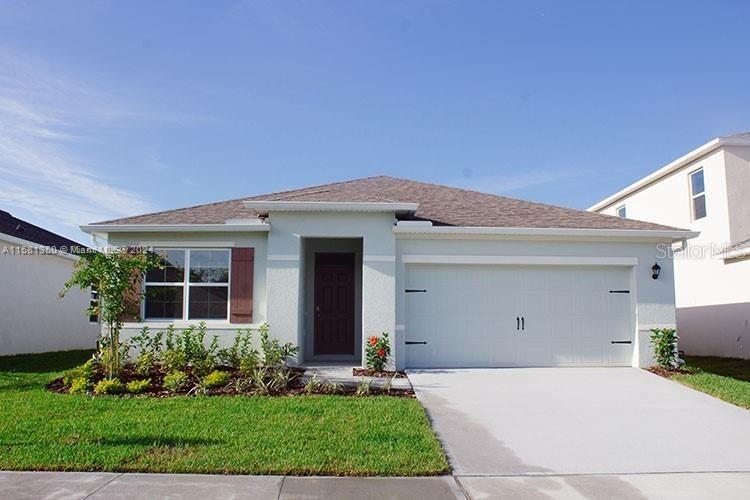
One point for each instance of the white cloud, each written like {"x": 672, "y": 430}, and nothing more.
{"x": 41, "y": 113}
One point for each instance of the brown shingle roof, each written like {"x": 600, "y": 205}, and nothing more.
{"x": 442, "y": 205}
{"x": 13, "y": 226}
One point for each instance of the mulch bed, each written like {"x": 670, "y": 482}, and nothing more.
{"x": 663, "y": 372}
{"x": 366, "y": 372}
{"x": 156, "y": 376}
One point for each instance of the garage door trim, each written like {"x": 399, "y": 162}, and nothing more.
{"x": 529, "y": 260}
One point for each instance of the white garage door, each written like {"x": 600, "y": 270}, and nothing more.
{"x": 483, "y": 315}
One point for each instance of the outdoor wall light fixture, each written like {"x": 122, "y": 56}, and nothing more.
{"x": 655, "y": 270}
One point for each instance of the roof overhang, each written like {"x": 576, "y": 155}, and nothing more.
{"x": 175, "y": 228}
{"x": 677, "y": 164}
{"x": 328, "y": 206}
{"x": 38, "y": 249}
{"x": 673, "y": 235}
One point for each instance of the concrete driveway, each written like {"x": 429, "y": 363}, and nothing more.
{"x": 557, "y": 421}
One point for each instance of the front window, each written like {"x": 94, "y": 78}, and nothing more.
{"x": 622, "y": 212}
{"x": 698, "y": 194}
{"x": 196, "y": 278}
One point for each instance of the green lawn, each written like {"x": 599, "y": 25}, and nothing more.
{"x": 326, "y": 435}
{"x": 724, "y": 378}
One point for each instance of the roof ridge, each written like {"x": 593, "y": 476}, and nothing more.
{"x": 318, "y": 186}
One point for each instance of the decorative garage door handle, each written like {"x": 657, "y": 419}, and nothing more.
{"x": 414, "y": 290}
{"x": 414, "y": 342}
{"x": 520, "y": 323}
{"x": 622, "y": 341}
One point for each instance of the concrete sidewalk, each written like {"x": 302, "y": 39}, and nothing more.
{"x": 93, "y": 485}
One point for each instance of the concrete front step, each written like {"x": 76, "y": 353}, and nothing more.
{"x": 343, "y": 374}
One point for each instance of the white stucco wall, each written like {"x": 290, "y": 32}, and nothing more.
{"x": 704, "y": 281}
{"x": 32, "y": 317}
{"x": 286, "y": 268}
{"x": 282, "y": 272}
{"x": 653, "y": 300}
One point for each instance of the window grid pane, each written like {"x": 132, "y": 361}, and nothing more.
{"x": 174, "y": 268}
{"x": 208, "y": 302}
{"x": 164, "y": 302}
{"x": 209, "y": 266}
{"x": 699, "y": 207}
{"x": 696, "y": 183}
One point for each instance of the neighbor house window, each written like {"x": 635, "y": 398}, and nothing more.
{"x": 93, "y": 302}
{"x": 698, "y": 194}
{"x": 193, "y": 284}
{"x": 622, "y": 212}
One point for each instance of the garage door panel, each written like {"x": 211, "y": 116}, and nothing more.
{"x": 468, "y": 315}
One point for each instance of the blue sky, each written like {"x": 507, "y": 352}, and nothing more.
{"x": 110, "y": 109}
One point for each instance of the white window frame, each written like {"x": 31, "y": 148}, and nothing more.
{"x": 624, "y": 209}
{"x": 186, "y": 284}
{"x": 93, "y": 299}
{"x": 693, "y": 196}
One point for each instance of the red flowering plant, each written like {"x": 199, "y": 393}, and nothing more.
{"x": 378, "y": 349}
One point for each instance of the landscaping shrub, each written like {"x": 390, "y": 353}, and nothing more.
{"x": 664, "y": 342}
{"x": 274, "y": 353}
{"x": 149, "y": 350}
{"x": 80, "y": 385}
{"x": 138, "y": 386}
{"x": 241, "y": 351}
{"x": 173, "y": 360}
{"x": 313, "y": 385}
{"x": 85, "y": 372}
{"x": 175, "y": 380}
{"x": 363, "y": 388}
{"x": 189, "y": 350}
{"x": 377, "y": 351}
{"x": 109, "y": 386}
{"x": 215, "y": 379}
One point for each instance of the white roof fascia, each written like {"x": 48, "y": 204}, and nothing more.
{"x": 174, "y": 228}
{"x": 674, "y": 235}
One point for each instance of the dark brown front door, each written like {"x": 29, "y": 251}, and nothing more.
{"x": 334, "y": 303}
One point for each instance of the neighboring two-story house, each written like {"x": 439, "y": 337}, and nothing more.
{"x": 707, "y": 190}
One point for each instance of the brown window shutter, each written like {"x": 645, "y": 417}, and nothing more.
{"x": 241, "y": 284}
{"x": 133, "y": 301}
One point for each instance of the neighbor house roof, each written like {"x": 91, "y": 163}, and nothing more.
{"x": 17, "y": 228}
{"x": 740, "y": 139}
{"x": 442, "y": 205}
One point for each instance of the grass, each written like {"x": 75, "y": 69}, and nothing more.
{"x": 724, "y": 378}
{"x": 325, "y": 435}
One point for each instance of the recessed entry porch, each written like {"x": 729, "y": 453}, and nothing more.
{"x": 332, "y": 305}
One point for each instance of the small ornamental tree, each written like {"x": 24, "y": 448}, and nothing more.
{"x": 377, "y": 351}
{"x": 114, "y": 274}
{"x": 664, "y": 342}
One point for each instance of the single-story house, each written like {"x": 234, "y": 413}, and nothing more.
{"x": 458, "y": 278}
{"x": 34, "y": 265}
